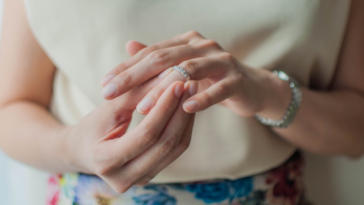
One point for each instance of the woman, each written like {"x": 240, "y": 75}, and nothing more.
{"x": 231, "y": 157}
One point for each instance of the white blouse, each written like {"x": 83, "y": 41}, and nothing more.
{"x": 86, "y": 39}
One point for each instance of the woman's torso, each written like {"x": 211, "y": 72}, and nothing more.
{"x": 85, "y": 39}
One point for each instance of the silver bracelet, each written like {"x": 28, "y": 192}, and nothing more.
{"x": 293, "y": 106}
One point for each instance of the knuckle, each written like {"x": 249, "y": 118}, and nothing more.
{"x": 149, "y": 177}
{"x": 145, "y": 180}
{"x": 156, "y": 92}
{"x": 121, "y": 187}
{"x": 136, "y": 89}
{"x": 150, "y": 49}
{"x": 168, "y": 146}
{"x": 147, "y": 139}
{"x": 167, "y": 109}
{"x": 191, "y": 66}
{"x": 124, "y": 183}
{"x": 142, "y": 183}
{"x": 228, "y": 57}
{"x": 223, "y": 89}
{"x": 211, "y": 44}
{"x": 121, "y": 68}
{"x": 183, "y": 146}
{"x": 123, "y": 78}
{"x": 179, "y": 40}
{"x": 159, "y": 57}
{"x": 193, "y": 34}
{"x": 206, "y": 98}
{"x": 239, "y": 77}
{"x": 120, "y": 117}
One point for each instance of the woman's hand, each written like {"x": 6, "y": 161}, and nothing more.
{"x": 221, "y": 77}
{"x": 100, "y": 145}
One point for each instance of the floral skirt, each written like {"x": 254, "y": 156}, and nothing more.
{"x": 282, "y": 185}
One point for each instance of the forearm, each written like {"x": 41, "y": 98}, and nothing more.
{"x": 331, "y": 122}
{"x": 28, "y": 133}
{"x": 327, "y": 122}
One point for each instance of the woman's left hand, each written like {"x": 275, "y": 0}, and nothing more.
{"x": 221, "y": 76}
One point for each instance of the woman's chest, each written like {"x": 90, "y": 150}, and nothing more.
{"x": 86, "y": 38}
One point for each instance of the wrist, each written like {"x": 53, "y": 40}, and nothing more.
{"x": 277, "y": 98}
{"x": 66, "y": 149}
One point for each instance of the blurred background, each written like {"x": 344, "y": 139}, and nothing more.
{"x": 329, "y": 180}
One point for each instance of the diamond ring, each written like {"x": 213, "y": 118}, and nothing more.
{"x": 182, "y": 71}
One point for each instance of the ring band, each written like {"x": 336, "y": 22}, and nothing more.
{"x": 182, "y": 71}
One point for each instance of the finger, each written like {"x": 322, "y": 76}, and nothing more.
{"x": 180, "y": 149}
{"x": 149, "y": 100}
{"x": 129, "y": 100}
{"x": 167, "y": 143}
{"x": 156, "y": 92}
{"x": 144, "y": 135}
{"x": 117, "y": 114}
{"x": 189, "y": 38}
{"x": 141, "y": 55}
{"x": 198, "y": 69}
{"x": 207, "y": 67}
{"x": 150, "y": 66}
{"x": 133, "y": 47}
{"x": 216, "y": 93}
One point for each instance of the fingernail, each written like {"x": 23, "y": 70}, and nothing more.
{"x": 178, "y": 90}
{"x": 193, "y": 88}
{"x": 186, "y": 84}
{"x": 145, "y": 105}
{"x": 109, "y": 90}
{"x": 164, "y": 73}
{"x": 107, "y": 79}
{"x": 191, "y": 106}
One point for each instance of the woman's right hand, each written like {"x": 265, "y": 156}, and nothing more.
{"x": 99, "y": 144}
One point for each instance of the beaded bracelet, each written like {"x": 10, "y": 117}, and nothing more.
{"x": 293, "y": 106}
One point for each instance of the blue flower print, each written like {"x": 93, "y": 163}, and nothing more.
{"x": 161, "y": 197}
{"x": 210, "y": 192}
{"x": 220, "y": 190}
{"x": 241, "y": 187}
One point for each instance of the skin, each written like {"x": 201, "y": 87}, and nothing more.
{"x": 97, "y": 144}
{"x": 328, "y": 122}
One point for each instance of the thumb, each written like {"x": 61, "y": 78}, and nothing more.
{"x": 133, "y": 47}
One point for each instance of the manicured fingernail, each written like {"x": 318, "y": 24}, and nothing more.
{"x": 145, "y": 105}
{"x": 191, "y": 106}
{"x": 185, "y": 85}
{"x": 107, "y": 79}
{"x": 164, "y": 73}
{"x": 109, "y": 90}
{"x": 178, "y": 90}
{"x": 193, "y": 88}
